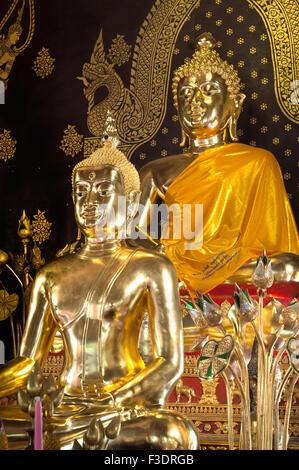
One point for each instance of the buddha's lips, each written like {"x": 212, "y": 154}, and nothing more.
{"x": 92, "y": 213}
{"x": 197, "y": 114}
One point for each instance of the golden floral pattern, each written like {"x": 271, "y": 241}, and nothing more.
{"x": 43, "y": 64}
{"x": 119, "y": 52}
{"x": 7, "y": 146}
{"x": 281, "y": 19}
{"x": 72, "y": 142}
{"x": 40, "y": 227}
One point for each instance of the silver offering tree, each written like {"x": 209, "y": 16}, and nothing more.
{"x": 233, "y": 358}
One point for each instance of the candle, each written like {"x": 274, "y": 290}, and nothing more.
{"x": 38, "y": 424}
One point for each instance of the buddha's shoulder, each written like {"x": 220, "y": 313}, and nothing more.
{"x": 163, "y": 164}
{"x": 62, "y": 264}
{"x": 251, "y": 151}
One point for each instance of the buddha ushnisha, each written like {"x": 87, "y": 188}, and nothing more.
{"x": 97, "y": 298}
{"x": 245, "y": 204}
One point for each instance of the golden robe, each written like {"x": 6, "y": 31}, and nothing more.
{"x": 245, "y": 210}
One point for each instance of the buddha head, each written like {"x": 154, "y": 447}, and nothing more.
{"x": 207, "y": 94}
{"x": 105, "y": 194}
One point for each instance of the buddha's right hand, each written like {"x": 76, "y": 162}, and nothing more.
{"x": 14, "y": 375}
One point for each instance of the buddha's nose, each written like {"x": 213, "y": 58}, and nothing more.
{"x": 91, "y": 198}
{"x": 197, "y": 97}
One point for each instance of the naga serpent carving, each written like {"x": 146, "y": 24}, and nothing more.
{"x": 139, "y": 109}
{"x": 281, "y": 21}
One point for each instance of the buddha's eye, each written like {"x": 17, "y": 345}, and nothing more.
{"x": 186, "y": 92}
{"x": 105, "y": 189}
{"x": 209, "y": 89}
{"x": 81, "y": 191}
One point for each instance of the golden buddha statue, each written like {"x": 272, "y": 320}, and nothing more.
{"x": 97, "y": 298}
{"x": 240, "y": 187}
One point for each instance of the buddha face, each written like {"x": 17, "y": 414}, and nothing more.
{"x": 97, "y": 192}
{"x": 204, "y": 105}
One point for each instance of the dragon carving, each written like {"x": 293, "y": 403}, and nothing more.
{"x": 140, "y": 109}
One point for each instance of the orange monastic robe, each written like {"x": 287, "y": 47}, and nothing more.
{"x": 245, "y": 209}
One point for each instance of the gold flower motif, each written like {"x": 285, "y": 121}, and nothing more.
{"x": 251, "y": 28}
{"x": 275, "y": 118}
{"x": 240, "y": 19}
{"x": 229, "y": 10}
{"x": 44, "y": 64}
{"x": 7, "y": 146}
{"x": 8, "y": 303}
{"x": 240, "y": 41}
{"x": 252, "y": 50}
{"x": 119, "y": 52}
{"x": 40, "y": 227}
{"x": 287, "y": 176}
{"x": 253, "y": 120}
{"x": 198, "y": 27}
{"x": 72, "y": 142}
{"x": 254, "y": 95}
{"x": 229, "y": 32}
{"x": 275, "y": 141}
{"x": 164, "y": 153}
{"x": 186, "y": 38}
{"x": 218, "y": 22}
{"x": 241, "y": 63}
{"x": 287, "y": 127}
{"x": 288, "y": 152}
{"x": 264, "y": 106}
{"x": 142, "y": 156}
{"x": 230, "y": 53}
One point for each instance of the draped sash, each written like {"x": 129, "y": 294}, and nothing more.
{"x": 245, "y": 210}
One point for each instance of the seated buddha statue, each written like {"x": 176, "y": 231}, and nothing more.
{"x": 240, "y": 187}
{"x": 96, "y": 298}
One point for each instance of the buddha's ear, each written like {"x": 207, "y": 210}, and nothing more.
{"x": 233, "y": 121}
{"x": 133, "y": 203}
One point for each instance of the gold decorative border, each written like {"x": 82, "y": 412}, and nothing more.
{"x": 281, "y": 20}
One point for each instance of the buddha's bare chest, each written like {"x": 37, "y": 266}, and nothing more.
{"x": 95, "y": 290}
